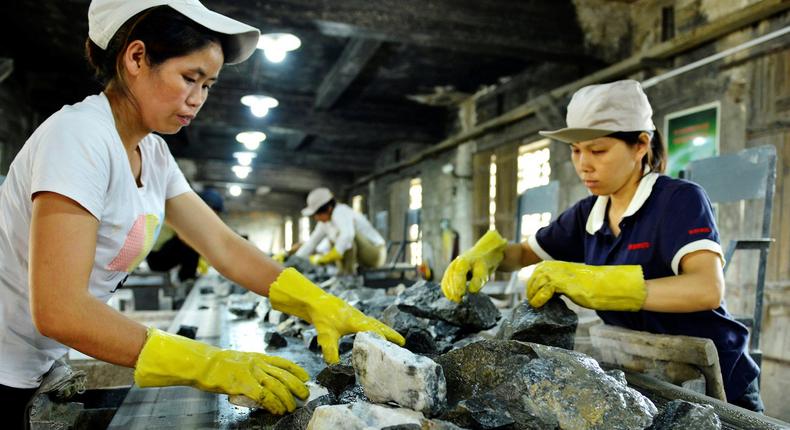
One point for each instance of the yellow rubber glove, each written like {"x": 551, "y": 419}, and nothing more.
{"x": 329, "y": 257}
{"x": 294, "y": 294}
{"x": 168, "y": 359}
{"x": 482, "y": 260}
{"x": 603, "y": 288}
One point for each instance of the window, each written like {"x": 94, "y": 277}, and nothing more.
{"x": 415, "y": 194}
{"x": 415, "y": 202}
{"x": 492, "y": 193}
{"x": 357, "y": 202}
{"x": 289, "y": 233}
{"x": 534, "y": 170}
{"x": 304, "y": 229}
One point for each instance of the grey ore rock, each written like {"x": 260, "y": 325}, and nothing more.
{"x": 337, "y": 378}
{"x": 352, "y": 395}
{"x": 299, "y": 418}
{"x": 538, "y": 387}
{"x": 682, "y": 415}
{"x": 425, "y": 299}
{"x": 275, "y": 340}
{"x": 553, "y": 324}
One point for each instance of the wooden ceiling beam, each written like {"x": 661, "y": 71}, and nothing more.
{"x": 352, "y": 61}
{"x": 476, "y": 27}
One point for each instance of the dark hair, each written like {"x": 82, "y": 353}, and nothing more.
{"x": 325, "y": 208}
{"x": 166, "y": 34}
{"x": 656, "y": 157}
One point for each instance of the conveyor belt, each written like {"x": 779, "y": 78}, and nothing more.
{"x": 188, "y": 408}
{"x": 731, "y": 416}
{"x": 182, "y": 407}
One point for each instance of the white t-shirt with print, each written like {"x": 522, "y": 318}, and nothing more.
{"x": 77, "y": 153}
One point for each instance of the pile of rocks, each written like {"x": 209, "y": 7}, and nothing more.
{"x": 463, "y": 366}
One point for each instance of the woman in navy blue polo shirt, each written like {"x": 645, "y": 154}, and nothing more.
{"x": 643, "y": 250}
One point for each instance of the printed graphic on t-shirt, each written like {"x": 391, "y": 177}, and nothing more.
{"x": 138, "y": 243}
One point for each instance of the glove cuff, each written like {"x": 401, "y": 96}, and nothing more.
{"x": 291, "y": 293}
{"x": 169, "y": 359}
{"x": 631, "y": 283}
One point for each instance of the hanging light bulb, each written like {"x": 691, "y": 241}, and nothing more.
{"x": 251, "y": 139}
{"x": 259, "y": 104}
{"x": 276, "y": 46}
{"x": 244, "y": 158}
{"x": 234, "y": 190}
{"x": 241, "y": 171}
{"x": 275, "y": 55}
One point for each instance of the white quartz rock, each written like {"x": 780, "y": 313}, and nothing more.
{"x": 389, "y": 373}
{"x": 361, "y": 416}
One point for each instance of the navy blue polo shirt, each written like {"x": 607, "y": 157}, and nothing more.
{"x": 666, "y": 220}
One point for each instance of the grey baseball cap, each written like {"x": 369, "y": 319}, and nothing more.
{"x": 599, "y": 110}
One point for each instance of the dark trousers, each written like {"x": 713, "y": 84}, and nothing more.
{"x": 14, "y": 401}
{"x": 751, "y": 398}
{"x": 174, "y": 253}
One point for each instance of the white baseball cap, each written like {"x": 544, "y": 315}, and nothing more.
{"x": 105, "y": 17}
{"x": 317, "y": 198}
{"x": 599, "y": 110}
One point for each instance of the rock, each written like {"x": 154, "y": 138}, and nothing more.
{"x": 553, "y": 324}
{"x": 557, "y": 387}
{"x": 275, "y": 340}
{"x": 299, "y": 263}
{"x": 310, "y": 338}
{"x": 243, "y": 308}
{"x": 389, "y": 373}
{"x": 352, "y": 395}
{"x": 300, "y": 418}
{"x": 425, "y": 299}
{"x": 374, "y": 307}
{"x": 188, "y": 331}
{"x": 682, "y": 415}
{"x": 482, "y": 412}
{"x": 401, "y": 321}
{"x": 439, "y": 425}
{"x": 337, "y": 378}
{"x": 361, "y": 416}
{"x": 420, "y": 341}
{"x": 346, "y": 344}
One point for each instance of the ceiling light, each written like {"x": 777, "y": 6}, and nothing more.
{"x": 234, "y": 190}
{"x": 259, "y": 105}
{"x": 275, "y": 55}
{"x": 244, "y": 158}
{"x": 259, "y": 100}
{"x": 241, "y": 171}
{"x": 251, "y": 139}
{"x": 276, "y": 46}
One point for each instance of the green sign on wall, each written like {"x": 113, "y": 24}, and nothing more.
{"x": 691, "y": 134}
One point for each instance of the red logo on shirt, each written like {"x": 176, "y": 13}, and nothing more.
{"x": 639, "y": 245}
{"x": 699, "y": 230}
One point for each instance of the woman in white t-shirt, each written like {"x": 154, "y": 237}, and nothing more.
{"x": 85, "y": 199}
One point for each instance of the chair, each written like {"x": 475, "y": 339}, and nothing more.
{"x": 397, "y": 264}
{"x": 755, "y": 170}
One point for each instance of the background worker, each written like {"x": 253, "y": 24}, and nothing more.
{"x": 86, "y": 196}
{"x": 643, "y": 250}
{"x": 354, "y": 240}
{"x": 170, "y": 251}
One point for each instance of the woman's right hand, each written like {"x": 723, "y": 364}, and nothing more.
{"x": 481, "y": 261}
{"x": 168, "y": 359}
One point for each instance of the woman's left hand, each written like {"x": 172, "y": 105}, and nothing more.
{"x": 604, "y": 288}
{"x": 294, "y": 294}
